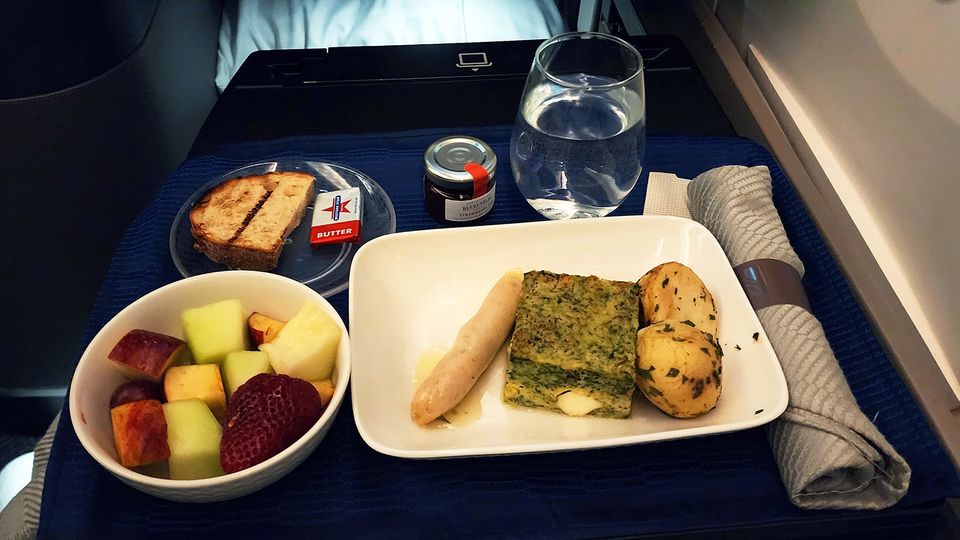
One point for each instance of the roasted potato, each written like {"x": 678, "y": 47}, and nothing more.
{"x": 679, "y": 368}
{"x": 674, "y": 291}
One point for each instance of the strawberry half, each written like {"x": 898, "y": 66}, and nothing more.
{"x": 266, "y": 414}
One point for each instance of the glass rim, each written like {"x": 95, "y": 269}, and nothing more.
{"x": 594, "y": 35}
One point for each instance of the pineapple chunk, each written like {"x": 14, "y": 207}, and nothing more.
{"x": 306, "y": 347}
{"x": 325, "y": 388}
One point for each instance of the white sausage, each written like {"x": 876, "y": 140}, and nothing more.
{"x": 477, "y": 343}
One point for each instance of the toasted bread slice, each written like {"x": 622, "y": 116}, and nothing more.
{"x": 244, "y": 222}
{"x": 224, "y": 210}
{"x": 264, "y": 235}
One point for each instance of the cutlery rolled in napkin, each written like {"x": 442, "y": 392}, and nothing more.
{"x": 830, "y": 455}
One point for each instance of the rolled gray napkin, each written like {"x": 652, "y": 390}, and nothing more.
{"x": 829, "y": 454}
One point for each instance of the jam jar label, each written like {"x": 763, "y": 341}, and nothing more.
{"x": 469, "y": 210}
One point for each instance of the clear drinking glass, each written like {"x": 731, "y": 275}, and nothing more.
{"x": 578, "y": 143}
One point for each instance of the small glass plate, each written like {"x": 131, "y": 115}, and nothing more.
{"x": 325, "y": 269}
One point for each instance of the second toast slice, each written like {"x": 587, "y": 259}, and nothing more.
{"x": 243, "y": 223}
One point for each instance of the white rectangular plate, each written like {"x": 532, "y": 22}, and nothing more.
{"x": 410, "y": 292}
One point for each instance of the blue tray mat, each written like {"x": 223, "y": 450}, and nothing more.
{"x": 346, "y": 489}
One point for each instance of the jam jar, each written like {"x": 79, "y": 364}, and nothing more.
{"x": 459, "y": 186}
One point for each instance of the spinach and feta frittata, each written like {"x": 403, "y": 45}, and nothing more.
{"x": 575, "y": 336}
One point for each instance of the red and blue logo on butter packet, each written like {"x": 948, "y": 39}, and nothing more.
{"x": 337, "y": 217}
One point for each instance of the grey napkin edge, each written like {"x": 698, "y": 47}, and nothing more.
{"x": 810, "y": 419}
{"x": 733, "y": 199}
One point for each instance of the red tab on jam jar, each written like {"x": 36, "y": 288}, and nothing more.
{"x": 480, "y": 178}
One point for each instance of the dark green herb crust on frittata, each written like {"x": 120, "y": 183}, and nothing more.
{"x": 574, "y": 332}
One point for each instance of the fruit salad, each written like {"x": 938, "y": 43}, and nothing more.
{"x": 235, "y": 393}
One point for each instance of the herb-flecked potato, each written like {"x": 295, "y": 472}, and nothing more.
{"x": 674, "y": 291}
{"x": 679, "y": 368}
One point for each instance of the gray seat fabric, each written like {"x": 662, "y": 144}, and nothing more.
{"x": 112, "y": 114}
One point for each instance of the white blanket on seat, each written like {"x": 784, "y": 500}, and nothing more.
{"x": 252, "y": 25}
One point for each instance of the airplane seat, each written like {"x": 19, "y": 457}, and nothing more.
{"x": 99, "y": 102}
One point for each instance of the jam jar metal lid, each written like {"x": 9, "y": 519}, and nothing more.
{"x": 445, "y": 158}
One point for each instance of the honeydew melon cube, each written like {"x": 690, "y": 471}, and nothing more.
{"x": 239, "y": 366}
{"x": 193, "y": 435}
{"x": 213, "y": 330}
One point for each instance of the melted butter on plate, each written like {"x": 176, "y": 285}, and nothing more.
{"x": 464, "y": 413}
{"x": 425, "y": 364}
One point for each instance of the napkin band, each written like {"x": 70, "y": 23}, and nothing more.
{"x": 770, "y": 282}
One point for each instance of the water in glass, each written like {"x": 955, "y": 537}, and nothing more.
{"x": 576, "y": 150}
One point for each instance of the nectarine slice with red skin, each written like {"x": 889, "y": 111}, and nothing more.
{"x": 140, "y": 432}
{"x": 146, "y": 355}
{"x": 262, "y": 328}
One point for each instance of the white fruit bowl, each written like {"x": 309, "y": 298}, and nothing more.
{"x": 96, "y": 378}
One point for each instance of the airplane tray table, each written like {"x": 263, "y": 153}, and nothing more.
{"x": 345, "y": 489}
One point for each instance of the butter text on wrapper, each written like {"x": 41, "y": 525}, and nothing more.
{"x": 336, "y": 217}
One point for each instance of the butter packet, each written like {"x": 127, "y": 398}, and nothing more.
{"x": 337, "y": 216}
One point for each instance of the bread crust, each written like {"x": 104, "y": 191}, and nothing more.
{"x": 219, "y": 210}
{"x": 224, "y": 210}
